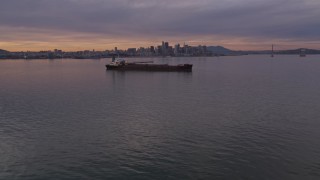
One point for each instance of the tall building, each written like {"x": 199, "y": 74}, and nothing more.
{"x": 152, "y": 50}
{"x": 176, "y": 50}
{"x": 165, "y": 48}
{"x": 186, "y": 49}
{"x": 166, "y": 45}
{"x": 132, "y": 51}
{"x": 159, "y": 51}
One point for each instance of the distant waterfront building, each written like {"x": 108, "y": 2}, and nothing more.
{"x": 57, "y": 51}
{"x": 56, "y": 54}
{"x": 152, "y": 50}
{"x": 159, "y": 51}
{"x": 177, "y": 50}
{"x": 132, "y": 51}
{"x": 165, "y": 49}
{"x": 204, "y": 50}
{"x": 186, "y": 49}
{"x": 166, "y": 45}
{"x": 170, "y": 51}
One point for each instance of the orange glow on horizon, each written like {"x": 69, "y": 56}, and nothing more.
{"x": 80, "y": 46}
{"x": 31, "y": 40}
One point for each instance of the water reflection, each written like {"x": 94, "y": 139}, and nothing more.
{"x": 231, "y": 117}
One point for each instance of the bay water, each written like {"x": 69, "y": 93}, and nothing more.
{"x": 237, "y": 117}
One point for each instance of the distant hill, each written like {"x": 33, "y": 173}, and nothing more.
{"x": 298, "y": 51}
{"x": 292, "y": 51}
{"x": 219, "y": 50}
{"x": 4, "y": 54}
{"x": 3, "y": 51}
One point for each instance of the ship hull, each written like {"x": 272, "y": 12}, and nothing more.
{"x": 151, "y": 67}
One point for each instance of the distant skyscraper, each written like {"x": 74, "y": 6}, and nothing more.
{"x": 159, "y": 50}
{"x": 186, "y": 51}
{"x": 132, "y": 51}
{"x": 152, "y": 49}
{"x": 164, "y": 48}
{"x": 166, "y": 45}
{"x": 177, "y": 50}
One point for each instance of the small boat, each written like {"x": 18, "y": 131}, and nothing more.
{"x": 122, "y": 65}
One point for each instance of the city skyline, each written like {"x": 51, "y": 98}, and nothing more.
{"x": 104, "y": 24}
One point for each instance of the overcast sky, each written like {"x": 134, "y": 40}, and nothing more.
{"x": 104, "y": 24}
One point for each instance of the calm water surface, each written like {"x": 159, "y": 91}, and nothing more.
{"x": 247, "y": 117}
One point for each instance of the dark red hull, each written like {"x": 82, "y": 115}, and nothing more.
{"x": 151, "y": 67}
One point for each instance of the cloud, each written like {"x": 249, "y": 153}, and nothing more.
{"x": 151, "y": 20}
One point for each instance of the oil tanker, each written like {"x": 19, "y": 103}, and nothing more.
{"x": 122, "y": 65}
